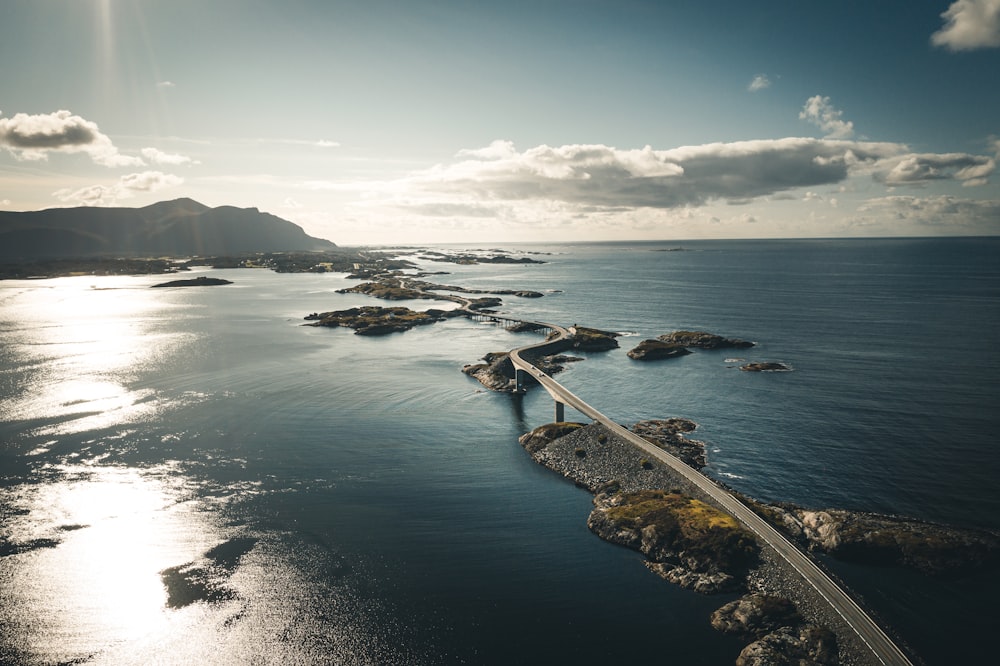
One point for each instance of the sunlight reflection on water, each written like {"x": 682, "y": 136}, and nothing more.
{"x": 94, "y": 545}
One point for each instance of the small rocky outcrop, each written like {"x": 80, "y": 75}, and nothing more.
{"x": 808, "y": 645}
{"x": 703, "y": 340}
{"x": 756, "y": 615}
{"x": 540, "y": 437}
{"x": 765, "y": 366}
{"x": 592, "y": 339}
{"x": 937, "y": 550}
{"x": 497, "y": 372}
{"x": 668, "y": 434}
{"x": 200, "y": 281}
{"x": 371, "y": 320}
{"x": 654, "y": 350}
{"x": 685, "y": 540}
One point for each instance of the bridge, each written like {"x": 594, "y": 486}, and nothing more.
{"x": 881, "y": 646}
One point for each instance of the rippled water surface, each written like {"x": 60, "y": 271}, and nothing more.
{"x": 192, "y": 476}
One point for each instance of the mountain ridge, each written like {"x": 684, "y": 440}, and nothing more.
{"x": 180, "y": 228}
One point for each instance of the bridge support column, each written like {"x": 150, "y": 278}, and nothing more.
{"x": 560, "y": 412}
{"x": 519, "y": 380}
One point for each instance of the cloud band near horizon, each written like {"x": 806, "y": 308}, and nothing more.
{"x": 602, "y": 176}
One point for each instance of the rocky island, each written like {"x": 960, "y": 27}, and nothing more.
{"x": 200, "y": 281}
{"x": 703, "y": 340}
{"x": 373, "y": 320}
{"x": 654, "y": 350}
{"x": 765, "y": 366}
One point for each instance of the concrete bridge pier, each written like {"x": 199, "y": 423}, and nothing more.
{"x": 519, "y": 380}
{"x": 560, "y": 412}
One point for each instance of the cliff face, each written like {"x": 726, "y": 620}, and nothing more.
{"x": 170, "y": 228}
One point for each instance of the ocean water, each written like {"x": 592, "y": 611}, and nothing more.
{"x": 192, "y": 476}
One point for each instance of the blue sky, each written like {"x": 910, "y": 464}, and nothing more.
{"x": 393, "y": 121}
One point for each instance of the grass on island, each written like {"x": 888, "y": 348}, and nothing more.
{"x": 687, "y": 524}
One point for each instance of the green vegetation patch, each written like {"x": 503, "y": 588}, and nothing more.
{"x": 685, "y": 524}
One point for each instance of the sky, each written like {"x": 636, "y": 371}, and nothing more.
{"x": 433, "y": 121}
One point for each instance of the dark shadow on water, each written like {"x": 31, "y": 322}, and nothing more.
{"x": 206, "y": 580}
{"x": 517, "y": 408}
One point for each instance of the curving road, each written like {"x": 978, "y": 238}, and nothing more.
{"x": 870, "y": 633}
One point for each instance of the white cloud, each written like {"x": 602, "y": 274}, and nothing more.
{"x": 820, "y": 112}
{"x": 5, "y": 202}
{"x": 969, "y": 24}
{"x": 939, "y": 215}
{"x": 166, "y": 84}
{"x": 126, "y": 187}
{"x": 920, "y": 169}
{"x": 323, "y": 143}
{"x": 33, "y": 137}
{"x": 610, "y": 178}
{"x": 760, "y": 82}
{"x": 497, "y": 150}
{"x": 156, "y": 156}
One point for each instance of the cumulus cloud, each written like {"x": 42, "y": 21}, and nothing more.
{"x": 603, "y": 176}
{"x": 820, "y": 112}
{"x": 759, "y": 82}
{"x": 126, "y": 187}
{"x": 156, "y": 156}
{"x": 969, "y": 24}
{"x": 33, "y": 137}
{"x": 942, "y": 214}
{"x": 920, "y": 169}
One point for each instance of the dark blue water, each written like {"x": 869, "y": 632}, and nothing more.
{"x": 373, "y": 503}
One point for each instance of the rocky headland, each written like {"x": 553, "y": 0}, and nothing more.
{"x": 671, "y": 436}
{"x": 871, "y": 538}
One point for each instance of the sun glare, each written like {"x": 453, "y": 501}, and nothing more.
{"x": 117, "y": 530}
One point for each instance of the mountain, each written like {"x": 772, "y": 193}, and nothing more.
{"x": 179, "y": 228}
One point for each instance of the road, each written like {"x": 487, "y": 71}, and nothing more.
{"x": 870, "y": 633}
